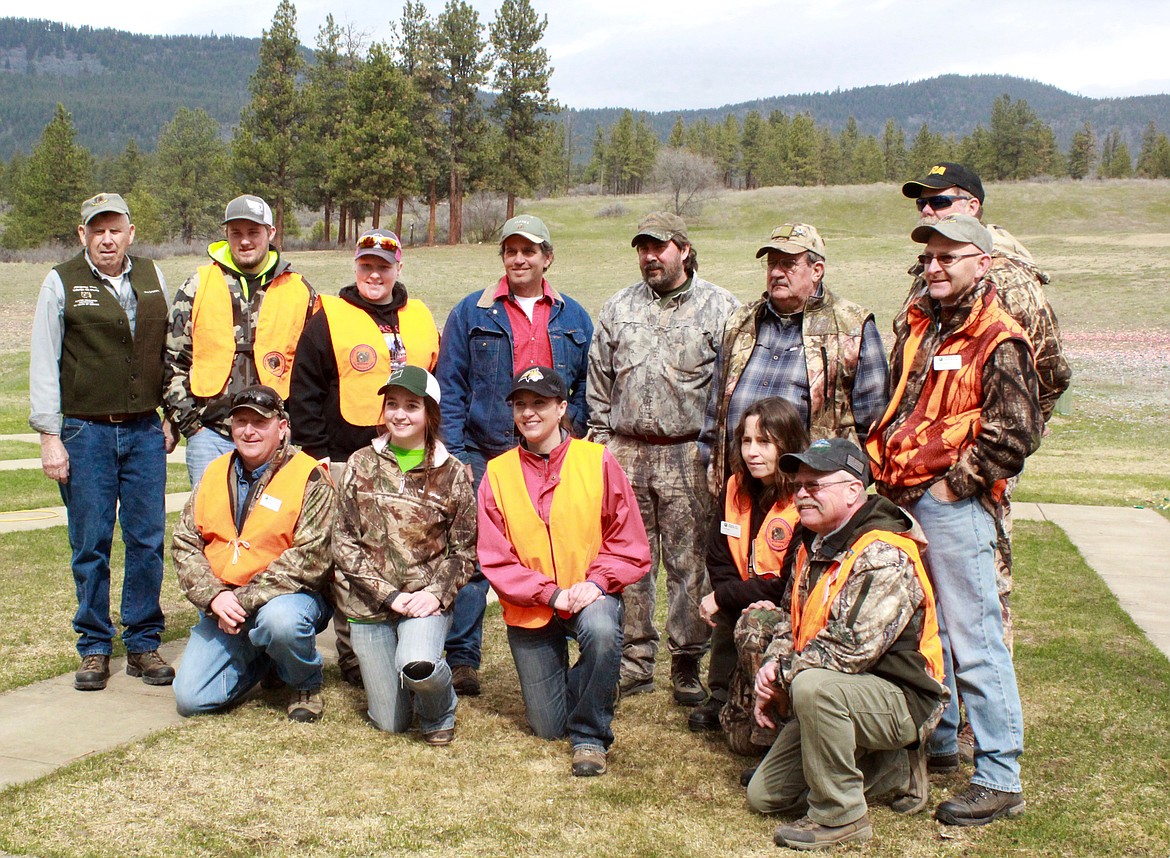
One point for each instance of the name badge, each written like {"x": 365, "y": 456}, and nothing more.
{"x": 269, "y": 502}
{"x": 945, "y": 362}
{"x": 729, "y": 529}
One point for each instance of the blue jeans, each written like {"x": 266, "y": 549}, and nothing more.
{"x": 400, "y": 659}
{"x": 203, "y": 448}
{"x": 961, "y": 559}
{"x": 116, "y": 469}
{"x": 217, "y": 669}
{"x": 578, "y": 700}
{"x": 465, "y": 638}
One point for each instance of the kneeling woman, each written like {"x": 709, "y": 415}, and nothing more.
{"x": 746, "y": 546}
{"x": 560, "y": 537}
{"x": 404, "y": 543}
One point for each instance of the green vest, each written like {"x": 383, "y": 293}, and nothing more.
{"x": 104, "y": 369}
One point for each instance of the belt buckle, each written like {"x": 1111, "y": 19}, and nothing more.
{"x": 117, "y": 418}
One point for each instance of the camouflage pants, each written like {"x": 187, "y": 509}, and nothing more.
{"x": 669, "y": 485}
{"x": 753, "y": 633}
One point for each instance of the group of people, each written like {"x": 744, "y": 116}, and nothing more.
{"x": 349, "y": 462}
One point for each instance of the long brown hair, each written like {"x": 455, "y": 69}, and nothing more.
{"x": 780, "y": 423}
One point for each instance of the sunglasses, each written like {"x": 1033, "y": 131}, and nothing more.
{"x": 939, "y": 201}
{"x": 946, "y": 260}
{"x": 384, "y": 242}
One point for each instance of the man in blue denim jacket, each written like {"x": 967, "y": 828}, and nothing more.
{"x": 518, "y": 322}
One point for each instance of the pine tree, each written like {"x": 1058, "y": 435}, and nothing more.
{"x": 804, "y": 151}
{"x": 753, "y": 146}
{"x": 1082, "y": 153}
{"x": 893, "y": 152}
{"x": 678, "y": 133}
{"x": 1154, "y": 158}
{"x": 190, "y": 181}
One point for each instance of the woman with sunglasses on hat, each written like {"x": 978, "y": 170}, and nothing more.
{"x": 348, "y": 348}
{"x": 560, "y": 537}
{"x": 403, "y": 545}
{"x": 746, "y": 562}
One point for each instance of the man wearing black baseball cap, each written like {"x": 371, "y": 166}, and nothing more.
{"x": 859, "y": 665}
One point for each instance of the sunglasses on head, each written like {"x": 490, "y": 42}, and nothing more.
{"x": 939, "y": 201}
{"x": 384, "y": 242}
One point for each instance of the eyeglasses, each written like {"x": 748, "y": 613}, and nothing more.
{"x": 384, "y": 242}
{"x": 787, "y": 263}
{"x": 939, "y": 201}
{"x": 946, "y": 260}
{"x": 817, "y": 485}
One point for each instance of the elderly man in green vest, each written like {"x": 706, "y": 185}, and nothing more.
{"x": 95, "y": 385}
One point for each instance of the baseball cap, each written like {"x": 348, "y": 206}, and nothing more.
{"x": 248, "y": 207}
{"x": 827, "y": 456}
{"x": 945, "y": 174}
{"x": 259, "y": 398}
{"x": 415, "y": 379}
{"x": 961, "y": 227}
{"x": 100, "y": 203}
{"x": 541, "y": 380}
{"x": 529, "y": 226}
{"x": 662, "y": 226}
{"x": 381, "y": 243}
{"x": 794, "y": 238}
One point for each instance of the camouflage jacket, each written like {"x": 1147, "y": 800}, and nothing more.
{"x": 650, "y": 365}
{"x": 401, "y": 532}
{"x": 304, "y": 566}
{"x": 875, "y": 622}
{"x": 1020, "y": 284}
{"x": 187, "y": 411}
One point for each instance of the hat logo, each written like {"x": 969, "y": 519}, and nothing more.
{"x": 99, "y": 199}
{"x": 816, "y": 445}
{"x": 532, "y": 375}
{"x": 276, "y": 363}
{"x": 363, "y": 357}
{"x": 937, "y": 170}
{"x": 255, "y": 206}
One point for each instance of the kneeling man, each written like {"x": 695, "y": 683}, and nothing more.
{"x": 252, "y": 552}
{"x": 857, "y": 661}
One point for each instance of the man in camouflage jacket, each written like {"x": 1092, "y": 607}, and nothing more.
{"x": 861, "y": 676}
{"x": 650, "y": 365}
{"x": 265, "y": 621}
{"x": 801, "y": 342}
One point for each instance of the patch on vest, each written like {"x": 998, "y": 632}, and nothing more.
{"x": 276, "y": 363}
{"x": 363, "y": 357}
{"x": 778, "y": 534}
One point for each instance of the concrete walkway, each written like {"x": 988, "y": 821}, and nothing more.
{"x": 47, "y": 725}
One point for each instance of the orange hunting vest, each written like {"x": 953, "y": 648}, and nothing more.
{"x": 363, "y": 358}
{"x": 763, "y": 556}
{"x": 810, "y": 617}
{"x": 946, "y": 416}
{"x": 278, "y": 328}
{"x": 237, "y": 557}
{"x": 564, "y": 548}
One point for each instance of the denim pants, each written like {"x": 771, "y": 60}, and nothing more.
{"x": 116, "y": 469}
{"x": 579, "y": 700}
{"x": 217, "y": 669}
{"x": 465, "y": 637}
{"x": 203, "y": 448}
{"x": 961, "y": 560}
{"x": 402, "y": 660}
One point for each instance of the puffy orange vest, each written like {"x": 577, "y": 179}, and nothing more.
{"x": 946, "y": 416}
{"x": 763, "y": 556}
{"x": 236, "y": 557}
{"x": 278, "y": 328}
{"x": 812, "y": 615}
{"x": 564, "y": 548}
{"x": 363, "y": 358}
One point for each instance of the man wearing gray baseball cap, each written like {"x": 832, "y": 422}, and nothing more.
{"x": 235, "y": 323}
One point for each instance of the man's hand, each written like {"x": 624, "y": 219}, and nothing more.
{"x": 419, "y": 604}
{"x": 583, "y": 595}
{"x": 762, "y": 605}
{"x": 54, "y": 458}
{"x": 170, "y": 435}
{"x": 708, "y": 608}
{"x": 769, "y": 695}
{"x": 229, "y": 612}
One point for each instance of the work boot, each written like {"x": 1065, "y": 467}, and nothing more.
{"x": 979, "y": 805}
{"x": 306, "y": 705}
{"x": 705, "y": 718}
{"x": 352, "y": 674}
{"x": 150, "y": 666}
{"x": 809, "y": 836}
{"x": 465, "y": 680}
{"x": 917, "y": 793}
{"x": 684, "y": 676}
{"x": 588, "y": 762}
{"x": 628, "y": 686}
{"x": 93, "y": 674}
{"x": 942, "y": 764}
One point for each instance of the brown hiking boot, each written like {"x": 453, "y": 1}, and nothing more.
{"x": 588, "y": 762}
{"x": 917, "y": 793}
{"x": 809, "y": 836}
{"x": 306, "y": 705}
{"x": 465, "y": 680}
{"x": 93, "y": 674}
{"x": 684, "y": 676}
{"x": 628, "y": 686}
{"x": 150, "y": 666}
{"x": 979, "y": 805}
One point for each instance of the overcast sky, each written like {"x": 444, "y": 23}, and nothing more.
{"x": 657, "y": 55}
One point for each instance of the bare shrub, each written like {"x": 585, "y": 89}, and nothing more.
{"x": 483, "y": 215}
{"x": 612, "y": 210}
{"x": 688, "y": 179}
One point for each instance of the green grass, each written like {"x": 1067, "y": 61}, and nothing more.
{"x": 1097, "y": 711}
{"x": 31, "y": 489}
{"x": 19, "y": 450}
